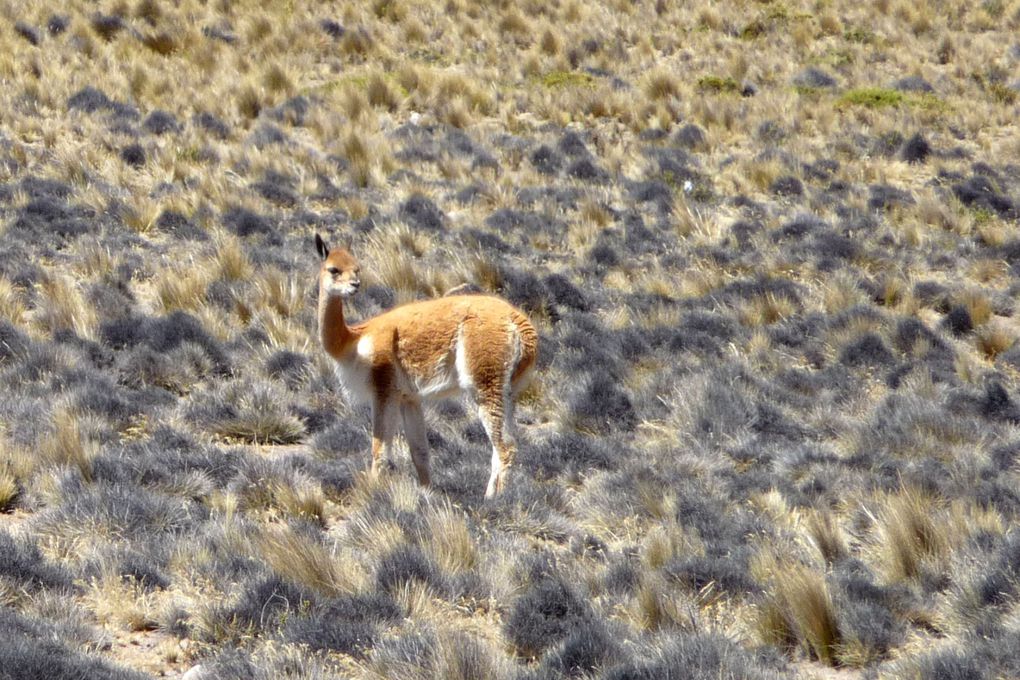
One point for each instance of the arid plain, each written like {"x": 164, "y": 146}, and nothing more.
{"x": 771, "y": 250}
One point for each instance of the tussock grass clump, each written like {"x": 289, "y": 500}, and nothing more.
{"x": 657, "y": 606}
{"x": 122, "y": 602}
{"x": 11, "y": 305}
{"x": 64, "y": 307}
{"x": 566, "y": 79}
{"x": 307, "y": 562}
{"x": 23, "y": 565}
{"x": 827, "y": 537}
{"x": 37, "y": 648}
{"x": 9, "y": 486}
{"x": 448, "y": 540}
{"x": 546, "y": 613}
{"x": 68, "y": 444}
{"x": 911, "y": 537}
{"x": 661, "y": 84}
{"x": 405, "y": 564}
{"x": 718, "y": 84}
{"x": 426, "y": 653}
{"x": 349, "y": 624}
{"x": 248, "y": 412}
{"x": 872, "y": 97}
{"x": 182, "y": 289}
{"x": 993, "y": 340}
{"x": 697, "y": 655}
{"x": 799, "y": 612}
{"x": 89, "y": 514}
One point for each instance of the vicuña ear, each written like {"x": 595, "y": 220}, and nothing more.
{"x": 347, "y": 243}
{"x": 321, "y": 246}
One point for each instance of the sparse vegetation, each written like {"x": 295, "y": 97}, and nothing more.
{"x": 770, "y": 250}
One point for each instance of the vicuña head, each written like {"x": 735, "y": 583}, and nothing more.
{"x": 478, "y": 345}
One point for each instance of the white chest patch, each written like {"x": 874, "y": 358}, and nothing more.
{"x": 355, "y": 372}
{"x": 365, "y": 348}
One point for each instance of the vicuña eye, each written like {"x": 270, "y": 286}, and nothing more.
{"x": 333, "y": 270}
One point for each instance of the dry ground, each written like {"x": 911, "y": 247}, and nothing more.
{"x": 772, "y": 252}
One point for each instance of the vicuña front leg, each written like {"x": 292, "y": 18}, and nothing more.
{"x": 417, "y": 440}
{"x": 384, "y": 426}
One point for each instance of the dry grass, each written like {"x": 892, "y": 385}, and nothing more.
{"x": 284, "y": 295}
{"x": 800, "y": 612}
{"x": 309, "y": 563}
{"x": 123, "y": 602}
{"x": 911, "y": 536}
{"x": 181, "y": 288}
{"x": 449, "y": 540}
{"x": 994, "y": 339}
{"x": 722, "y": 333}
{"x": 63, "y": 307}
{"x": 67, "y": 445}
{"x": 16, "y": 469}
{"x": 231, "y": 262}
{"x": 12, "y": 307}
{"x": 827, "y": 536}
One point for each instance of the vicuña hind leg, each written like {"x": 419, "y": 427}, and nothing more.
{"x": 417, "y": 440}
{"x": 494, "y": 419}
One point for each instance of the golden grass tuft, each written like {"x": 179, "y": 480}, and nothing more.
{"x": 67, "y": 445}
{"x": 302, "y": 498}
{"x": 230, "y": 261}
{"x": 994, "y": 339}
{"x": 63, "y": 307}
{"x": 516, "y": 25}
{"x": 357, "y": 42}
{"x": 799, "y": 612}
{"x": 977, "y": 304}
{"x": 16, "y": 467}
{"x": 765, "y": 310}
{"x": 276, "y": 79}
{"x": 661, "y": 84}
{"x": 656, "y": 607}
{"x": 381, "y": 93}
{"x": 161, "y": 43}
{"x": 249, "y": 101}
{"x": 148, "y": 11}
{"x": 9, "y": 489}
{"x": 365, "y": 155}
{"x": 284, "y": 295}
{"x": 141, "y": 214}
{"x": 910, "y": 534}
{"x": 12, "y": 306}
{"x": 455, "y": 655}
{"x": 181, "y": 288}
{"x": 448, "y": 539}
{"x": 260, "y": 420}
{"x": 307, "y": 562}
{"x": 666, "y": 542}
{"x": 826, "y": 536}
{"x": 840, "y": 292}
{"x": 550, "y": 42}
{"x": 123, "y": 602}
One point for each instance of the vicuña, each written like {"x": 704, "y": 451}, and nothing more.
{"x": 474, "y": 344}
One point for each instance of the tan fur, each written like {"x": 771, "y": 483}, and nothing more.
{"x": 475, "y": 344}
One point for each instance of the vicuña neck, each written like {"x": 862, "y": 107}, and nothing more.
{"x": 333, "y": 331}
